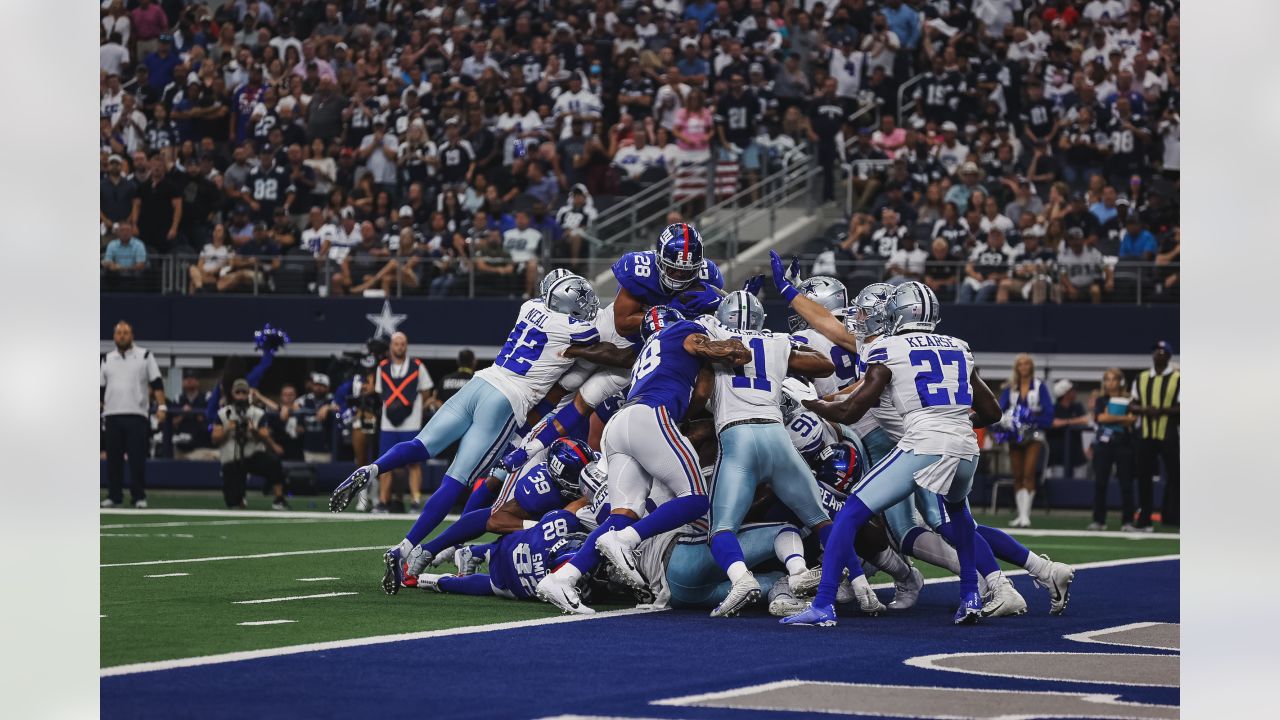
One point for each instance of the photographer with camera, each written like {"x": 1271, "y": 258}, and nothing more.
{"x": 243, "y": 438}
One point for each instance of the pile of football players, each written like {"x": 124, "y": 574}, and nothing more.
{"x": 668, "y": 447}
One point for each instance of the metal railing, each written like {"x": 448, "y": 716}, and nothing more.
{"x": 905, "y": 107}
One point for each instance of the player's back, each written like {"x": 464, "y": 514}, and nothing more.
{"x": 754, "y": 390}
{"x": 665, "y": 373}
{"x": 930, "y": 390}
{"x": 845, "y": 362}
{"x": 536, "y": 493}
{"x": 637, "y": 272}
{"x": 523, "y": 558}
{"x": 530, "y": 361}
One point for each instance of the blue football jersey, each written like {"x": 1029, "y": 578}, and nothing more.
{"x": 523, "y": 558}
{"x": 638, "y": 273}
{"x": 664, "y": 374}
{"x": 536, "y": 493}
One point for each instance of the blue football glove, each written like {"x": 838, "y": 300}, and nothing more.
{"x": 753, "y": 284}
{"x": 701, "y": 300}
{"x": 784, "y": 286}
{"x": 793, "y": 272}
{"x": 515, "y": 459}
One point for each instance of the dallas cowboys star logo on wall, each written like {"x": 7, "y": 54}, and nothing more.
{"x": 386, "y": 321}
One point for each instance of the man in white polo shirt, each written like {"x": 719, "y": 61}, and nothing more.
{"x": 129, "y": 378}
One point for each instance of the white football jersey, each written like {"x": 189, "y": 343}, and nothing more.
{"x": 930, "y": 391}
{"x": 810, "y": 433}
{"x": 753, "y": 391}
{"x": 846, "y": 364}
{"x": 530, "y": 362}
{"x": 885, "y": 415}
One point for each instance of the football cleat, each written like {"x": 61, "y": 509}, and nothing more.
{"x": 563, "y": 595}
{"x": 970, "y": 609}
{"x": 845, "y": 592}
{"x": 1058, "y": 582}
{"x": 418, "y": 561}
{"x": 466, "y": 563}
{"x": 107, "y": 503}
{"x": 426, "y": 581}
{"x": 815, "y": 616}
{"x": 782, "y": 603}
{"x": 744, "y": 592}
{"x": 393, "y": 578}
{"x": 343, "y": 494}
{"x": 905, "y": 594}
{"x": 280, "y": 504}
{"x": 805, "y": 583}
{"x": 622, "y": 558}
{"x": 1005, "y": 600}
{"x": 868, "y": 602}
{"x": 140, "y": 504}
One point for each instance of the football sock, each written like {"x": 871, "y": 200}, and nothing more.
{"x": 727, "y": 551}
{"x": 1036, "y": 565}
{"x": 1004, "y": 546}
{"x": 965, "y": 540}
{"x": 468, "y": 527}
{"x": 671, "y": 515}
{"x": 790, "y": 550}
{"x": 839, "y": 552}
{"x": 586, "y": 559}
{"x": 436, "y": 506}
{"x": 985, "y": 561}
{"x": 403, "y": 454}
{"x": 893, "y": 564}
{"x": 933, "y": 549}
{"x": 469, "y": 585}
{"x": 481, "y": 497}
{"x": 824, "y": 533}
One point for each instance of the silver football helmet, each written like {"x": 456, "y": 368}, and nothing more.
{"x": 740, "y": 310}
{"x": 866, "y": 316}
{"x": 551, "y": 279}
{"x": 573, "y": 296}
{"x": 828, "y": 292}
{"x": 913, "y": 306}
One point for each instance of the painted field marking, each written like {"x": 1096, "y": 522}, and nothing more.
{"x": 934, "y": 662}
{"x": 1031, "y": 532}
{"x": 168, "y": 575}
{"x": 267, "y": 622}
{"x": 272, "y": 514}
{"x": 1099, "y": 636}
{"x": 317, "y": 579}
{"x": 476, "y": 629}
{"x": 291, "y": 597}
{"x": 257, "y": 556}
{"x": 359, "y": 642}
{"x": 210, "y": 523}
{"x": 145, "y": 535}
{"x": 101, "y": 616}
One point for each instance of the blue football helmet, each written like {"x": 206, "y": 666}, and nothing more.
{"x": 573, "y": 296}
{"x": 839, "y": 468}
{"x": 680, "y": 258}
{"x": 551, "y": 279}
{"x": 656, "y": 318}
{"x": 913, "y": 308}
{"x": 828, "y": 292}
{"x": 565, "y": 460}
{"x": 740, "y": 310}
{"x": 868, "y": 311}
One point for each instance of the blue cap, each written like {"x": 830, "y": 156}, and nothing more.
{"x": 1162, "y": 345}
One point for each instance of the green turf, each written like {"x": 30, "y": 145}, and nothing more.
{"x": 172, "y": 617}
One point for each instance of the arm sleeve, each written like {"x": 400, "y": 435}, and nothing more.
{"x": 1004, "y": 399}
{"x": 153, "y": 369}
{"x": 1045, "y": 420}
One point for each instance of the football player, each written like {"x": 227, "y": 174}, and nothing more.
{"x": 483, "y": 415}
{"x": 645, "y": 448}
{"x": 754, "y": 447}
{"x": 934, "y": 386}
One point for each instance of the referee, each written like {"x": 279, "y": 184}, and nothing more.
{"x": 1156, "y": 400}
{"x": 126, "y": 374}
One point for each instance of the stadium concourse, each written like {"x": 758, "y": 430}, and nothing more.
{"x": 216, "y": 614}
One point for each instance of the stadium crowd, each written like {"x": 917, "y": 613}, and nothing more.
{"x": 341, "y": 147}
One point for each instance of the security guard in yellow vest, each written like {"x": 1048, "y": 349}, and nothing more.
{"x": 1156, "y": 399}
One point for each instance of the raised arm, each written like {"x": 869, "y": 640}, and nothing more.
{"x": 818, "y": 317}
{"x": 603, "y": 353}
{"x": 857, "y": 403}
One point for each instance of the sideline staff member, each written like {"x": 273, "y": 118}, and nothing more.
{"x": 1156, "y": 399}
{"x": 125, "y": 375}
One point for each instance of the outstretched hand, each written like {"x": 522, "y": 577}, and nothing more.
{"x": 753, "y": 284}
{"x": 784, "y": 286}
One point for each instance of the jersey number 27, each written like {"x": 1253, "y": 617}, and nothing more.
{"x": 937, "y": 363}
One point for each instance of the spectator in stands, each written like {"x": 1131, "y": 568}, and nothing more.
{"x": 575, "y": 219}
{"x": 1113, "y": 448}
{"x": 318, "y": 410}
{"x": 988, "y": 266}
{"x": 954, "y": 229}
{"x": 125, "y": 259}
{"x": 1023, "y": 201}
{"x": 1032, "y": 275}
{"x": 1138, "y": 243}
{"x": 283, "y": 422}
{"x": 940, "y": 272}
{"x": 191, "y": 439}
{"x": 1082, "y": 271}
{"x": 524, "y": 246}
{"x": 117, "y": 197}
{"x": 907, "y": 262}
{"x": 215, "y": 256}
{"x": 1069, "y": 420}
{"x": 160, "y": 205}
{"x": 885, "y": 239}
{"x": 1028, "y": 412}
{"x": 494, "y": 268}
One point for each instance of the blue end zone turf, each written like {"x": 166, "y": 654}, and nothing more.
{"x": 618, "y": 666}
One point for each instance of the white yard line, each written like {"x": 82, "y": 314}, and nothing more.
{"x": 1032, "y": 532}
{"x": 245, "y": 557}
{"x": 267, "y": 622}
{"x": 168, "y": 575}
{"x": 291, "y": 597}
{"x": 475, "y": 629}
{"x": 210, "y": 523}
{"x": 357, "y": 642}
{"x": 317, "y": 579}
{"x": 273, "y": 514}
